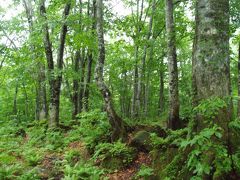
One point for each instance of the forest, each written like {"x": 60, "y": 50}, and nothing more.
{"x": 120, "y": 89}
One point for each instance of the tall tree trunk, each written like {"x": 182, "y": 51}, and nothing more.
{"x": 75, "y": 97}
{"x": 161, "y": 89}
{"x": 145, "y": 82}
{"x": 173, "y": 121}
{"x": 41, "y": 96}
{"x": 136, "y": 102}
{"x": 89, "y": 60}
{"x": 43, "y": 106}
{"x": 26, "y": 113}
{"x": 87, "y": 81}
{"x": 55, "y": 80}
{"x": 118, "y": 128}
{"x": 135, "y": 97}
{"x": 211, "y": 66}
{"x": 238, "y": 108}
{"x": 82, "y": 82}
{"x": 15, "y": 101}
{"x": 211, "y": 58}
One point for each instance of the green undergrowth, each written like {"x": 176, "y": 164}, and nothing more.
{"x": 191, "y": 154}
{"x": 82, "y": 149}
{"x": 32, "y": 151}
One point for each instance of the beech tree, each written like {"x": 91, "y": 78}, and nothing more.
{"x": 118, "y": 128}
{"x": 211, "y": 63}
{"x": 54, "y": 73}
{"x": 174, "y": 121}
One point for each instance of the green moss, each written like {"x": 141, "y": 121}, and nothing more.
{"x": 142, "y": 141}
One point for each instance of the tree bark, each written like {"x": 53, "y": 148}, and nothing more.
{"x": 135, "y": 97}
{"x": 41, "y": 97}
{"x": 15, "y": 101}
{"x": 211, "y": 67}
{"x": 87, "y": 82}
{"x": 145, "y": 81}
{"x": 55, "y": 79}
{"x": 118, "y": 129}
{"x": 161, "y": 89}
{"x": 136, "y": 102}
{"x": 89, "y": 62}
{"x": 75, "y": 97}
{"x": 82, "y": 82}
{"x": 173, "y": 121}
{"x": 238, "y": 108}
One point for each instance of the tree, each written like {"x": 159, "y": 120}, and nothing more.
{"x": 238, "y": 108}
{"x": 55, "y": 77}
{"x": 173, "y": 121}
{"x": 41, "y": 94}
{"x": 118, "y": 128}
{"x": 211, "y": 64}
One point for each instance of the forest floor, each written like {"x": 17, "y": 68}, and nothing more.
{"x": 130, "y": 171}
{"x": 31, "y": 152}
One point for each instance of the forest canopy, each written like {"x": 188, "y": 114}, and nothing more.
{"x": 131, "y": 89}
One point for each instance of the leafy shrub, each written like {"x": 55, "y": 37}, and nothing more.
{"x": 73, "y": 135}
{"x": 72, "y": 156}
{"x": 55, "y": 139}
{"x": 203, "y": 152}
{"x": 209, "y": 154}
{"x": 174, "y": 137}
{"x": 82, "y": 171}
{"x": 7, "y": 159}
{"x": 10, "y": 171}
{"x": 209, "y": 108}
{"x": 37, "y": 136}
{"x": 144, "y": 172}
{"x": 94, "y": 128}
{"x": 114, "y": 155}
{"x": 31, "y": 174}
{"x": 33, "y": 158}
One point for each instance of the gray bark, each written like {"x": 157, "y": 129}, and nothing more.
{"x": 89, "y": 59}
{"x": 238, "y": 108}
{"x": 161, "y": 88}
{"x": 173, "y": 121}
{"x": 136, "y": 102}
{"x": 118, "y": 129}
{"x": 145, "y": 82}
{"x": 41, "y": 97}
{"x": 211, "y": 67}
{"x": 15, "y": 101}
{"x": 75, "y": 97}
{"x": 55, "y": 80}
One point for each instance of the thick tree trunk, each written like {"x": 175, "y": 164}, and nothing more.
{"x": 211, "y": 67}
{"x": 174, "y": 121}
{"x": 118, "y": 129}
